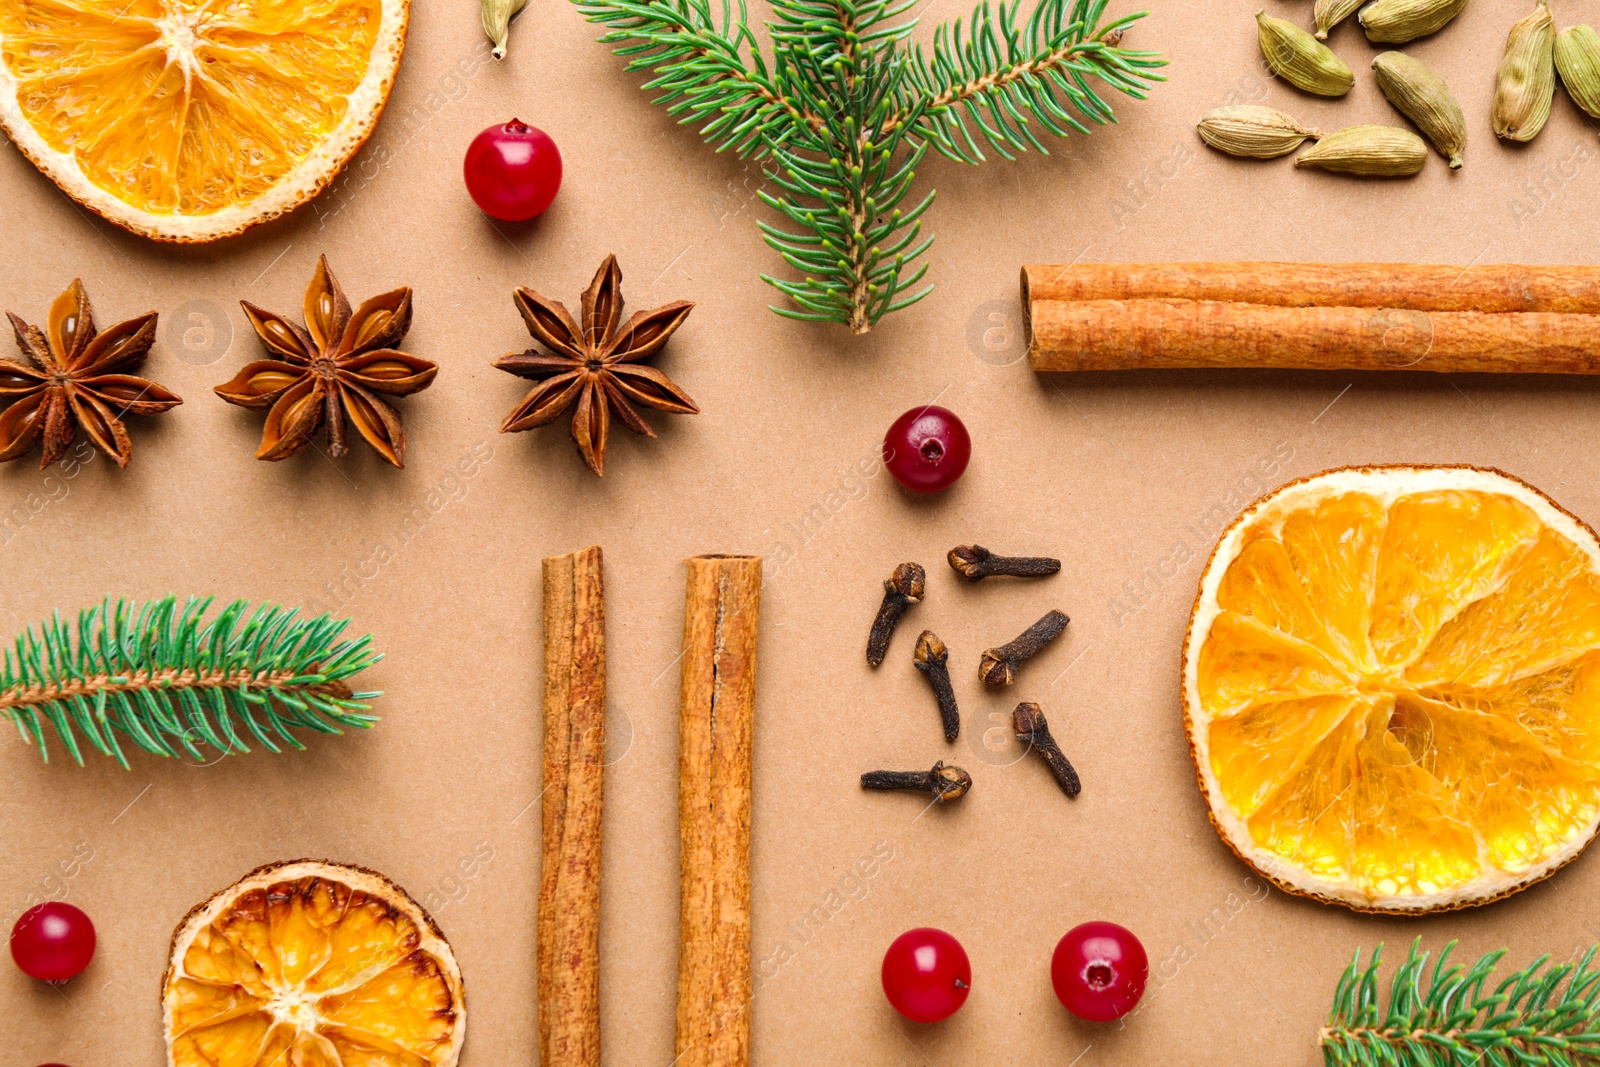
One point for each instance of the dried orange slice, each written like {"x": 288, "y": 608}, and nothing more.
{"x": 312, "y": 964}
{"x": 190, "y": 120}
{"x": 1391, "y": 687}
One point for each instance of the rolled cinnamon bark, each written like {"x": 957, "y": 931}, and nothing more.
{"x": 716, "y": 723}
{"x": 568, "y": 928}
{"x": 1498, "y": 319}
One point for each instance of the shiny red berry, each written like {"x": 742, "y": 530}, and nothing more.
{"x": 927, "y": 449}
{"x": 926, "y": 975}
{"x": 52, "y": 942}
{"x": 513, "y": 171}
{"x": 1099, "y": 971}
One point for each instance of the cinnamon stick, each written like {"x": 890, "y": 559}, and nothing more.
{"x": 716, "y": 723}
{"x": 568, "y": 949}
{"x": 1496, "y": 319}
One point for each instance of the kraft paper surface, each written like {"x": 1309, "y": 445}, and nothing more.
{"x": 1128, "y": 478}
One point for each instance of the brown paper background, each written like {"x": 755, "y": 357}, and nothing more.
{"x": 1128, "y": 478}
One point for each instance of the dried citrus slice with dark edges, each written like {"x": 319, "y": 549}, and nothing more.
{"x": 314, "y": 964}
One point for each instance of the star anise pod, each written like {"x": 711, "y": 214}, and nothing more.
{"x": 76, "y": 382}
{"x": 595, "y": 369}
{"x": 331, "y": 371}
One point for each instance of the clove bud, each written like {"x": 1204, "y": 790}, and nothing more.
{"x": 942, "y": 782}
{"x": 933, "y": 660}
{"x": 975, "y": 563}
{"x": 903, "y": 589}
{"x": 1032, "y": 730}
{"x": 999, "y": 665}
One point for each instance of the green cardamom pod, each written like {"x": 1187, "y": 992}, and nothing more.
{"x": 1300, "y": 59}
{"x": 1371, "y": 151}
{"x": 1578, "y": 62}
{"x": 497, "y": 16}
{"x": 1329, "y": 13}
{"x": 1527, "y": 78}
{"x": 1252, "y": 130}
{"x": 1399, "y": 21}
{"x": 1422, "y": 96}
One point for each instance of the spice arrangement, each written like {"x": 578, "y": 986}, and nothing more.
{"x": 1387, "y": 675}
{"x": 904, "y": 588}
{"x": 312, "y": 962}
{"x": 1524, "y": 87}
{"x": 164, "y": 678}
{"x": 1313, "y": 316}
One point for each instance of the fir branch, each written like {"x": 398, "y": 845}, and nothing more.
{"x": 708, "y": 69}
{"x": 1000, "y": 78}
{"x": 1533, "y": 1018}
{"x": 843, "y": 185}
{"x": 165, "y": 679}
{"x": 845, "y": 111}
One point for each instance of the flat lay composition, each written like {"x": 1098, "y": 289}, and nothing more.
{"x": 1137, "y": 600}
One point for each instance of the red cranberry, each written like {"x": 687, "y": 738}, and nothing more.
{"x": 926, "y": 975}
{"x": 513, "y": 171}
{"x": 1099, "y": 970}
{"x": 53, "y": 942}
{"x": 927, "y": 449}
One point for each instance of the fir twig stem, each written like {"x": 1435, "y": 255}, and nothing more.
{"x": 170, "y": 679}
{"x": 843, "y": 111}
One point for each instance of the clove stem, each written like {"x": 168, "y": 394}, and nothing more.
{"x": 999, "y": 665}
{"x": 942, "y": 782}
{"x": 1031, "y": 729}
{"x": 933, "y": 660}
{"x": 975, "y": 563}
{"x": 903, "y": 589}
